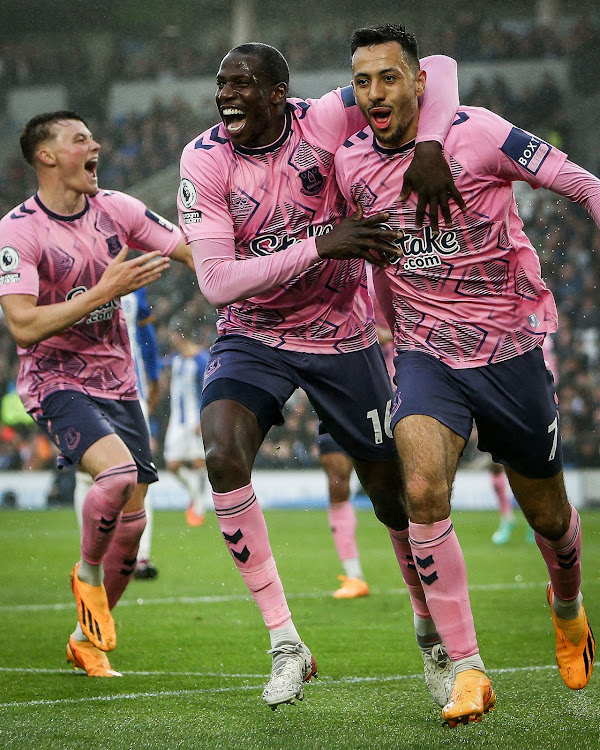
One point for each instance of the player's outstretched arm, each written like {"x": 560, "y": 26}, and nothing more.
{"x": 223, "y": 279}
{"x": 429, "y": 175}
{"x": 29, "y": 323}
{"x": 580, "y": 186}
{"x": 183, "y": 253}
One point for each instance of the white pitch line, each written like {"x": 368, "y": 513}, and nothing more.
{"x": 323, "y": 682}
{"x": 156, "y": 673}
{"x": 219, "y": 598}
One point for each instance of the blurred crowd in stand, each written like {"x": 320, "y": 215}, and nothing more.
{"x": 195, "y": 50}
{"x": 139, "y": 145}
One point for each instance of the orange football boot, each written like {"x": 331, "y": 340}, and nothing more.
{"x": 472, "y": 696}
{"x": 83, "y": 655}
{"x": 351, "y": 588}
{"x": 193, "y": 518}
{"x": 575, "y": 660}
{"x": 94, "y": 614}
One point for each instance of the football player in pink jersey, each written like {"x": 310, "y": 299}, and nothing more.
{"x": 338, "y": 468}
{"x": 469, "y": 311}
{"x": 63, "y": 268}
{"x": 278, "y": 256}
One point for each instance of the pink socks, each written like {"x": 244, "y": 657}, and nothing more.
{"x": 245, "y": 532}
{"x": 563, "y": 559}
{"x": 342, "y": 519}
{"x": 119, "y": 560}
{"x": 411, "y": 578}
{"x": 500, "y": 484}
{"x": 441, "y": 567}
{"x": 103, "y": 503}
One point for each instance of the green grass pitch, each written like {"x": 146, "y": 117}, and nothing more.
{"x": 192, "y": 646}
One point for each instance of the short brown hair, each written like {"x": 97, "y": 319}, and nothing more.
{"x": 39, "y": 129}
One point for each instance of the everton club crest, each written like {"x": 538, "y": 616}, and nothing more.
{"x": 312, "y": 181}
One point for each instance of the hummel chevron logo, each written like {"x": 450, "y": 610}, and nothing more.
{"x": 428, "y": 580}
{"x": 128, "y": 567}
{"x": 107, "y": 524}
{"x": 425, "y": 562}
{"x": 214, "y": 135}
{"x": 567, "y": 561}
{"x": 460, "y": 118}
{"x": 243, "y": 555}
{"x": 233, "y": 538}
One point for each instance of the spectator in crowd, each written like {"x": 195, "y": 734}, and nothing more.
{"x": 184, "y": 449}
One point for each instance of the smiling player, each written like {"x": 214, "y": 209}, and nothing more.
{"x": 276, "y": 253}
{"x": 63, "y": 269}
{"x": 470, "y": 312}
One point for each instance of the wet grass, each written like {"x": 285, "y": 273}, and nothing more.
{"x": 192, "y": 647}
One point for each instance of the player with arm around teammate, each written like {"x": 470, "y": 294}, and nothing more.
{"x": 275, "y": 254}
{"x": 469, "y": 311}
{"x": 63, "y": 268}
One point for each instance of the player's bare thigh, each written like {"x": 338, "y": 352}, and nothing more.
{"x": 429, "y": 453}
{"x": 105, "y": 453}
{"x": 232, "y": 438}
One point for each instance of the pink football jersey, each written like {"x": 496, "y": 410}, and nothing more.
{"x": 274, "y": 201}
{"x": 54, "y": 258}
{"x": 471, "y": 295}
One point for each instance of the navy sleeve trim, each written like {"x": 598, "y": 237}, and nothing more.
{"x": 347, "y": 94}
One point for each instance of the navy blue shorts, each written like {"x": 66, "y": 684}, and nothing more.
{"x": 351, "y": 393}
{"x": 326, "y": 444}
{"x": 75, "y": 421}
{"x": 513, "y": 404}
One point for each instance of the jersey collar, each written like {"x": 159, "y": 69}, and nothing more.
{"x": 287, "y": 129}
{"x": 391, "y": 151}
{"x": 60, "y": 217}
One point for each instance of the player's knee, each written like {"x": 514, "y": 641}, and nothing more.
{"x": 226, "y": 466}
{"x": 118, "y": 483}
{"x": 427, "y": 501}
{"x": 339, "y": 491}
{"x": 547, "y": 522}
